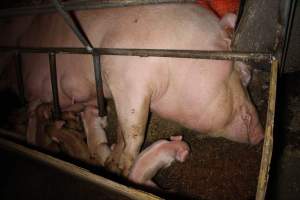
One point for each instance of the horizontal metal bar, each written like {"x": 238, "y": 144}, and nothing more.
{"x": 197, "y": 54}
{"x": 76, "y": 171}
{"x": 12, "y": 135}
{"x": 83, "y": 5}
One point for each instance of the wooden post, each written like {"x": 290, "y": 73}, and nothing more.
{"x": 268, "y": 142}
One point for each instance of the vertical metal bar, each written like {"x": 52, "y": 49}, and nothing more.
{"x": 268, "y": 142}
{"x": 99, "y": 86}
{"x": 19, "y": 74}
{"x": 72, "y": 25}
{"x": 53, "y": 74}
{"x": 288, "y": 32}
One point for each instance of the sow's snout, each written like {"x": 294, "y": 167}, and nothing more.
{"x": 245, "y": 127}
{"x": 256, "y": 135}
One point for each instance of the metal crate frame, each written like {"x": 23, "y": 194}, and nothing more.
{"x": 63, "y": 8}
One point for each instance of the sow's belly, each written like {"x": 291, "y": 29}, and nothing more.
{"x": 75, "y": 79}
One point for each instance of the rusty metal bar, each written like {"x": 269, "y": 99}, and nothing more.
{"x": 197, "y": 54}
{"x": 53, "y": 74}
{"x": 83, "y": 5}
{"x": 19, "y": 74}
{"x": 76, "y": 171}
{"x": 268, "y": 141}
{"x": 99, "y": 86}
{"x": 70, "y": 22}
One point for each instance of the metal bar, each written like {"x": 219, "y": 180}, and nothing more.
{"x": 12, "y": 135}
{"x": 76, "y": 171}
{"x": 68, "y": 19}
{"x": 99, "y": 86}
{"x": 268, "y": 142}
{"x": 197, "y": 54}
{"x": 288, "y": 32}
{"x": 83, "y": 5}
{"x": 53, "y": 74}
{"x": 20, "y": 81}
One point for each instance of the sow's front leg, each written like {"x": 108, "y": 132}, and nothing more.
{"x": 132, "y": 110}
{"x": 95, "y": 133}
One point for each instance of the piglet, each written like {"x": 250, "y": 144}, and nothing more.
{"x": 70, "y": 141}
{"x": 159, "y": 155}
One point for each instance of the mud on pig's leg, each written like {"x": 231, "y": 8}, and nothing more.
{"x": 132, "y": 110}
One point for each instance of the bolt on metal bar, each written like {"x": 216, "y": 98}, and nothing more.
{"x": 83, "y": 5}
{"x": 19, "y": 73}
{"x": 68, "y": 19}
{"x": 53, "y": 75}
{"x": 99, "y": 86}
{"x": 196, "y": 54}
{"x": 268, "y": 141}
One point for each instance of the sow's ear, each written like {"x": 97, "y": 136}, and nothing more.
{"x": 181, "y": 155}
{"x": 244, "y": 71}
{"x": 228, "y": 22}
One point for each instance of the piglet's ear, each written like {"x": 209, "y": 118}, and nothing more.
{"x": 176, "y": 138}
{"x": 182, "y": 155}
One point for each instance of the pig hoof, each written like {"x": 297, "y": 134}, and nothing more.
{"x": 112, "y": 166}
{"x": 125, "y": 164}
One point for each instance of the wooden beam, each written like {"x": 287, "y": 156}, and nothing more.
{"x": 77, "y": 171}
{"x": 268, "y": 141}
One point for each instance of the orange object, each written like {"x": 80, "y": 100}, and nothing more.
{"x": 221, "y": 7}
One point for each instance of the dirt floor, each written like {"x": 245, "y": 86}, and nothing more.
{"x": 215, "y": 169}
